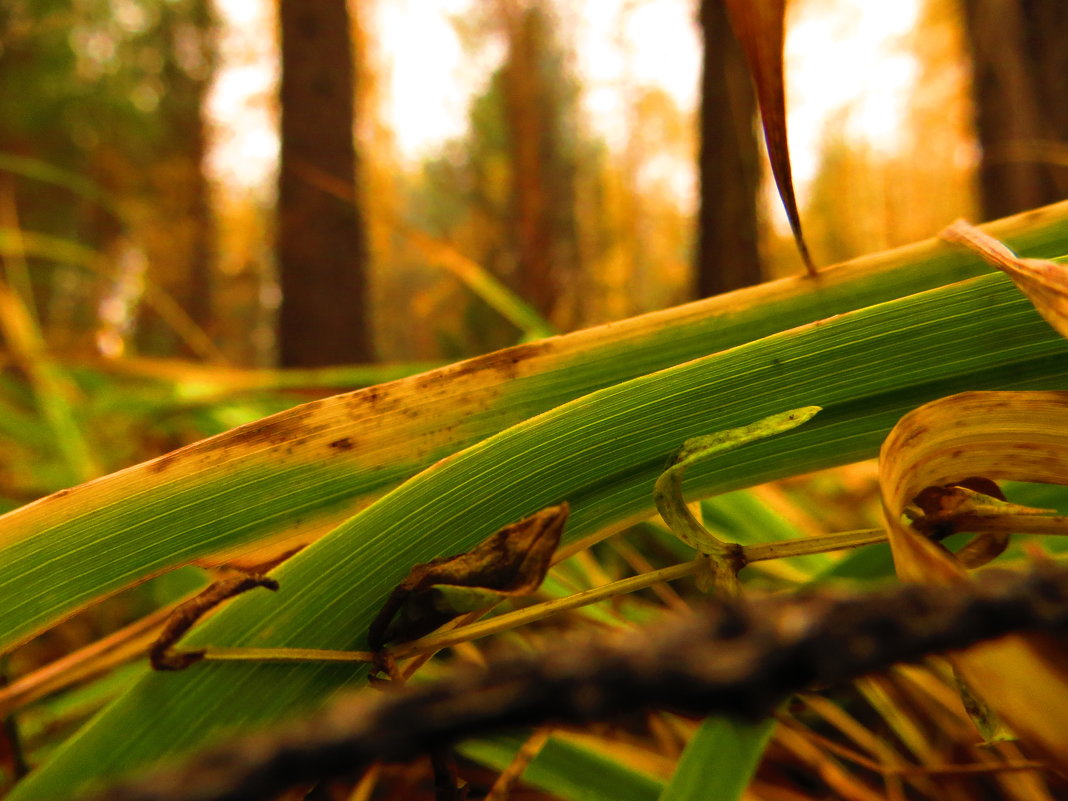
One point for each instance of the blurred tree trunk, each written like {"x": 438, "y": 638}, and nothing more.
{"x": 322, "y": 241}
{"x": 1020, "y": 86}
{"x": 522, "y": 100}
{"x": 727, "y": 256}
{"x": 173, "y": 213}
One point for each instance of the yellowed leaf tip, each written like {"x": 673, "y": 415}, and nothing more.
{"x": 1045, "y": 283}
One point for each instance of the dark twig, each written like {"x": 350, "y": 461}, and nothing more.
{"x": 162, "y": 654}
{"x": 732, "y": 658}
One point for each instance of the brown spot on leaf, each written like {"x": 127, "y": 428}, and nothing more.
{"x": 504, "y": 362}
{"x": 343, "y": 444}
{"x": 378, "y": 399}
{"x": 275, "y": 430}
{"x": 1035, "y": 217}
{"x": 161, "y": 463}
{"x": 285, "y": 428}
{"x": 916, "y": 433}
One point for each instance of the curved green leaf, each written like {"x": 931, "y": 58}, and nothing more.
{"x": 719, "y": 761}
{"x": 602, "y": 453}
{"x": 290, "y": 476}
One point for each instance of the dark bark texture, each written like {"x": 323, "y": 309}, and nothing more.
{"x": 322, "y": 242}
{"x": 727, "y": 256}
{"x": 1020, "y": 80}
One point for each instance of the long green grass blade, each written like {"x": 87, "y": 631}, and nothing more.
{"x": 482, "y": 283}
{"x": 719, "y": 761}
{"x": 18, "y": 243}
{"x": 294, "y": 474}
{"x": 568, "y": 770}
{"x": 53, "y": 392}
{"x": 601, "y": 452}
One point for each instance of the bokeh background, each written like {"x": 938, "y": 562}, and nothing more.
{"x": 192, "y": 191}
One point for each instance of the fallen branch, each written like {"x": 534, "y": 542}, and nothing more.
{"x": 728, "y": 658}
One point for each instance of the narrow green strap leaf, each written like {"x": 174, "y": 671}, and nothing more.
{"x": 568, "y": 770}
{"x": 603, "y": 452}
{"x": 719, "y": 761}
{"x": 668, "y": 491}
{"x": 307, "y": 469}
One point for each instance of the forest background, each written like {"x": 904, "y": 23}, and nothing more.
{"x": 158, "y": 258}
{"x": 602, "y": 167}
{"x": 586, "y": 215}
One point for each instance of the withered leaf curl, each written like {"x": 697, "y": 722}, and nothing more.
{"x": 952, "y": 508}
{"x": 998, "y": 435}
{"x": 510, "y": 563}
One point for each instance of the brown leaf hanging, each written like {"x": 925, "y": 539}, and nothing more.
{"x": 510, "y": 563}
{"x": 760, "y": 27}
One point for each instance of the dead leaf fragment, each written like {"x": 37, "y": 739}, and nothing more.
{"x": 1045, "y": 283}
{"x": 162, "y": 654}
{"x": 760, "y": 28}
{"x": 997, "y": 435}
{"x": 972, "y": 504}
{"x": 510, "y": 563}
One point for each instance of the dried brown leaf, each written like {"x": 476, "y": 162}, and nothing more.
{"x": 975, "y": 503}
{"x": 162, "y": 654}
{"x": 760, "y": 28}
{"x": 510, "y": 563}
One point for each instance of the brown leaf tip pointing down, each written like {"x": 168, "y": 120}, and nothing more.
{"x": 512, "y": 562}
{"x": 760, "y": 27}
